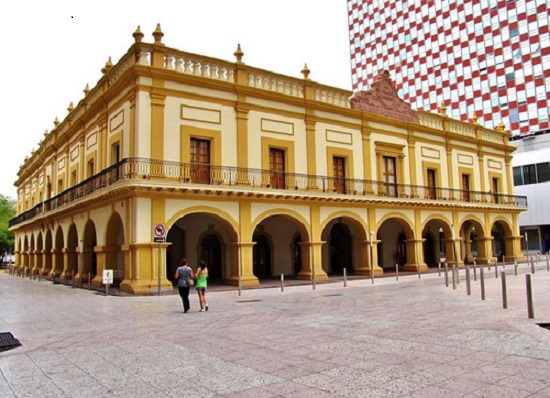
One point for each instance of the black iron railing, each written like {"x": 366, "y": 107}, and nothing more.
{"x": 189, "y": 174}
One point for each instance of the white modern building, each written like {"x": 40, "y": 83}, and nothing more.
{"x": 531, "y": 168}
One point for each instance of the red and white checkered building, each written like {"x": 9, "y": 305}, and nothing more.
{"x": 488, "y": 57}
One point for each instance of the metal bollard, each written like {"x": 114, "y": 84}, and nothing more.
{"x": 345, "y": 278}
{"x": 439, "y": 268}
{"x": 468, "y": 287}
{"x": 496, "y": 269}
{"x": 446, "y": 275}
{"x": 532, "y": 266}
{"x": 504, "y": 295}
{"x": 454, "y": 277}
{"x": 283, "y": 282}
{"x": 516, "y": 267}
{"x": 547, "y": 263}
{"x": 475, "y": 270}
{"x": 396, "y": 272}
{"x": 72, "y": 278}
{"x": 418, "y": 269}
{"x": 530, "y": 308}
{"x": 482, "y": 280}
{"x": 89, "y": 281}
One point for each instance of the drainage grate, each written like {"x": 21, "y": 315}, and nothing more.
{"x": 331, "y": 295}
{"x": 544, "y": 325}
{"x": 248, "y": 301}
{"x": 8, "y": 342}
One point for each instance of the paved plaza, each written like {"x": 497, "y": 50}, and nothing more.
{"x": 408, "y": 338}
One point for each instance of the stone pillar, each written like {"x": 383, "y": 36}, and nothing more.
{"x": 365, "y": 258}
{"x": 46, "y": 262}
{"x": 484, "y": 249}
{"x": 312, "y": 258}
{"x": 242, "y": 256}
{"x": 415, "y": 258}
{"x": 513, "y": 248}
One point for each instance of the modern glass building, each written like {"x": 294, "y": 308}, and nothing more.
{"x": 488, "y": 57}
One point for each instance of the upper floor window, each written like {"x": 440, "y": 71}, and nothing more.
{"x": 531, "y": 174}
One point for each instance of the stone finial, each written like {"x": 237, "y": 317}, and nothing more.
{"x": 71, "y": 107}
{"x": 138, "y": 35}
{"x": 443, "y": 109}
{"x": 157, "y": 34}
{"x": 305, "y": 71}
{"x": 86, "y": 90}
{"x": 108, "y": 65}
{"x": 474, "y": 118}
{"x": 56, "y": 121}
{"x": 46, "y": 133}
{"x": 501, "y": 127}
{"x": 239, "y": 54}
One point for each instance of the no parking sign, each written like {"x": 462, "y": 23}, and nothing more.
{"x": 159, "y": 232}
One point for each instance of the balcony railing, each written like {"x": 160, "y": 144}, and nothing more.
{"x": 183, "y": 175}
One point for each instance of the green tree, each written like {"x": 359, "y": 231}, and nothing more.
{"x": 7, "y": 212}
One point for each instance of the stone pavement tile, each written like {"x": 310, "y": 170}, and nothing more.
{"x": 461, "y": 384}
{"x": 426, "y": 377}
{"x": 435, "y": 392}
{"x": 494, "y": 391}
{"x": 291, "y": 372}
{"x": 541, "y": 394}
{"x": 520, "y": 382}
{"x": 254, "y": 392}
{"x": 483, "y": 375}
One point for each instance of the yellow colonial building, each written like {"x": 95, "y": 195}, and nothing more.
{"x": 259, "y": 174}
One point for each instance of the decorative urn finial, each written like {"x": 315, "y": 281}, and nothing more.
{"x": 443, "y": 109}
{"x": 138, "y": 35}
{"x": 239, "y": 54}
{"x": 305, "y": 71}
{"x": 157, "y": 34}
{"x": 86, "y": 90}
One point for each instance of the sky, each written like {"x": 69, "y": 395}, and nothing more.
{"x": 52, "y": 49}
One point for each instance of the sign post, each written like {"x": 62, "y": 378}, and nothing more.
{"x": 107, "y": 279}
{"x": 159, "y": 232}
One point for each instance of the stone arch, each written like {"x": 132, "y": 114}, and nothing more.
{"x": 474, "y": 241}
{"x": 291, "y": 215}
{"x": 89, "y": 257}
{"x": 501, "y": 232}
{"x": 397, "y": 242}
{"x": 114, "y": 256}
{"x": 210, "y": 247}
{"x": 71, "y": 252}
{"x": 57, "y": 252}
{"x": 346, "y": 243}
{"x": 437, "y": 239}
{"x": 223, "y": 217}
{"x": 48, "y": 252}
{"x": 39, "y": 252}
{"x": 191, "y": 233}
{"x": 274, "y": 233}
{"x": 31, "y": 251}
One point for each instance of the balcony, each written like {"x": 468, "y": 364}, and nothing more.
{"x": 164, "y": 174}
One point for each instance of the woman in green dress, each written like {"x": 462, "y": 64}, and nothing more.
{"x": 202, "y": 274}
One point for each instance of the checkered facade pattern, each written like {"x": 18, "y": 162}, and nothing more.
{"x": 488, "y": 57}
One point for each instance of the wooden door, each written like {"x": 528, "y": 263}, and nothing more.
{"x": 277, "y": 166}
{"x": 339, "y": 174}
{"x": 200, "y": 161}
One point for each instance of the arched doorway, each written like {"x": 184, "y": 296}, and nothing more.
{"x": 89, "y": 256}
{"x": 340, "y": 249}
{"x": 58, "y": 253}
{"x": 297, "y": 254}
{"x": 261, "y": 254}
{"x": 202, "y": 236}
{"x": 115, "y": 256}
{"x": 175, "y": 252}
{"x": 211, "y": 253}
